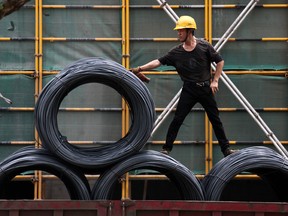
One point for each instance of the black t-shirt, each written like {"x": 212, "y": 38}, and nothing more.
{"x": 192, "y": 65}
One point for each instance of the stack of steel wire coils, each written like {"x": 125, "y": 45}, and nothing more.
{"x": 126, "y": 151}
{"x": 70, "y": 163}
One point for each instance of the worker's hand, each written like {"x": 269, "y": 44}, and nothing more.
{"x": 214, "y": 86}
{"x": 135, "y": 70}
{"x": 140, "y": 75}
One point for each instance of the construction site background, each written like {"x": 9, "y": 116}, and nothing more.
{"x": 43, "y": 37}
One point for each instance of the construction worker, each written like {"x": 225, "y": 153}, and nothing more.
{"x": 192, "y": 60}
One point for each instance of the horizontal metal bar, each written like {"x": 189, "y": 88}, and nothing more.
{"x": 82, "y": 6}
{"x": 251, "y": 142}
{"x": 154, "y": 39}
{"x": 227, "y": 6}
{"x": 243, "y": 5}
{"x": 131, "y": 177}
{"x": 256, "y": 39}
{"x": 156, "y": 142}
{"x": 76, "y": 6}
{"x": 74, "y": 109}
{"x": 72, "y": 142}
{"x": 85, "y": 109}
{"x": 17, "y": 109}
{"x": 50, "y": 72}
{"x": 214, "y": 39}
{"x": 17, "y": 38}
{"x": 199, "y": 176}
{"x": 13, "y": 72}
{"x": 51, "y": 39}
{"x": 257, "y": 72}
{"x": 264, "y": 109}
{"x": 90, "y": 109}
{"x": 91, "y": 142}
{"x": 177, "y": 142}
{"x": 267, "y": 109}
{"x": 17, "y": 142}
{"x": 241, "y": 72}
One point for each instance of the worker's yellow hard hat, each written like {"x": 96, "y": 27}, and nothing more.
{"x": 185, "y": 22}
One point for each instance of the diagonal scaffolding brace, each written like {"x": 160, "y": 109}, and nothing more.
{"x": 249, "y": 108}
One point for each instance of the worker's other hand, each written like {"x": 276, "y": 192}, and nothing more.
{"x": 140, "y": 75}
{"x": 214, "y": 86}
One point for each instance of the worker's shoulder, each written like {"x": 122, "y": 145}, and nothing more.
{"x": 204, "y": 45}
{"x": 176, "y": 47}
{"x": 203, "y": 42}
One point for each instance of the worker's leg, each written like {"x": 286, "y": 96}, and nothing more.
{"x": 185, "y": 104}
{"x": 211, "y": 108}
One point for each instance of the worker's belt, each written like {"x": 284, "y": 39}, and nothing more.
{"x": 200, "y": 84}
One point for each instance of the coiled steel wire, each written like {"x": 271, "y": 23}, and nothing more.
{"x": 188, "y": 185}
{"x": 30, "y": 158}
{"x": 269, "y": 165}
{"x": 109, "y": 73}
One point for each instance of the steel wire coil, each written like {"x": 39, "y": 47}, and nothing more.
{"x": 269, "y": 165}
{"x": 29, "y": 158}
{"x": 109, "y": 73}
{"x": 188, "y": 185}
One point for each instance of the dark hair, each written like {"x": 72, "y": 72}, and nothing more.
{"x": 191, "y": 30}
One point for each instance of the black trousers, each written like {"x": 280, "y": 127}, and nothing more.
{"x": 190, "y": 95}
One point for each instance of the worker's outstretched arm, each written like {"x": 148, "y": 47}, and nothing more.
{"x": 150, "y": 65}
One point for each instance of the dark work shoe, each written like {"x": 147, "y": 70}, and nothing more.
{"x": 165, "y": 151}
{"x": 229, "y": 151}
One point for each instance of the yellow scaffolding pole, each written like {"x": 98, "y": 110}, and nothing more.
{"x": 40, "y": 46}
{"x": 206, "y": 18}
{"x": 36, "y": 174}
{"x": 40, "y": 84}
{"x": 127, "y": 35}
{"x": 210, "y": 20}
{"x": 127, "y": 58}
{"x": 208, "y": 126}
{"x": 123, "y": 194}
{"x": 125, "y": 63}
